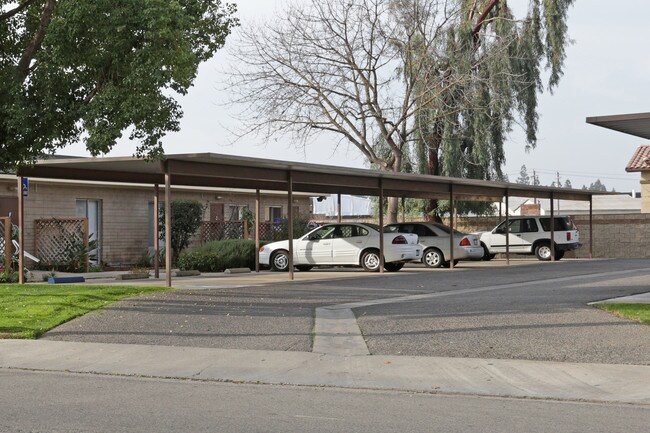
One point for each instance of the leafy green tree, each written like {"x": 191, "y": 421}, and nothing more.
{"x": 523, "y": 178}
{"x": 501, "y": 57}
{"x": 88, "y": 70}
{"x": 597, "y": 186}
{"x": 186, "y": 216}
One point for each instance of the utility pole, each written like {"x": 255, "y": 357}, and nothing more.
{"x": 559, "y": 185}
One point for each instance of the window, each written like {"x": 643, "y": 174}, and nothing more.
{"x": 92, "y": 209}
{"x": 326, "y": 232}
{"x": 236, "y": 212}
{"x": 422, "y": 230}
{"x": 561, "y": 224}
{"x": 275, "y": 213}
{"x": 528, "y": 225}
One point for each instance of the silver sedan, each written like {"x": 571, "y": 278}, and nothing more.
{"x": 434, "y": 238}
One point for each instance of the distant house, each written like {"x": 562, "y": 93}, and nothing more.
{"x": 120, "y": 215}
{"x": 602, "y": 205}
{"x": 641, "y": 162}
{"x": 352, "y": 206}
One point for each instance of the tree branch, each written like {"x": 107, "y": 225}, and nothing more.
{"x": 35, "y": 44}
{"x": 17, "y": 9}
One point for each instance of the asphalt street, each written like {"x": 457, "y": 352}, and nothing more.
{"x": 64, "y": 402}
{"x": 537, "y": 316}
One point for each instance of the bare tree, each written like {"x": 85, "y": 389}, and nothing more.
{"x": 371, "y": 72}
{"x": 340, "y": 67}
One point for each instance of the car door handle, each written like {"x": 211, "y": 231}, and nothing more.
{"x": 326, "y": 243}
{"x": 518, "y": 236}
{"x": 358, "y": 242}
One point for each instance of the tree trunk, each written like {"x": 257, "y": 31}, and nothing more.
{"x": 433, "y": 167}
{"x": 393, "y": 203}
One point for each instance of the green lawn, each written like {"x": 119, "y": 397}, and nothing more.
{"x": 637, "y": 312}
{"x": 27, "y": 311}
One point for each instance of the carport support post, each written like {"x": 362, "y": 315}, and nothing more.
{"x": 381, "y": 225}
{"x": 290, "y": 223}
{"x": 338, "y": 208}
{"x": 156, "y": 231}
{"x": 552, "y": 230}
{"x": 403, "y": 210}
{"x": 257, "y": 230}
{"x": 451, "y": 226}
{"x": 21, "y": 233}
{"x": 591, "y": 227}
{"x": 507, "y": 227}
{"x": 168, "y": 229}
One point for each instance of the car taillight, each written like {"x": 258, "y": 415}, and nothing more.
{"x": 400, "y": 240}
{"x": 465, "y": 242}
{"x": 568, "y": 236}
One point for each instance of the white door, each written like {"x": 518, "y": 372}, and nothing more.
{"x": 315, "y": 248}
{"x": 348, "y": 241}
{"x": 498, "y": 237}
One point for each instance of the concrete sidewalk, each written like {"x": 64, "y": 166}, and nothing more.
{"x": 487, "y": 377}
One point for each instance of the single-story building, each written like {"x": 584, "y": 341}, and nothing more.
{"x": 120, "y": 215}
{"x": 640, "y": 162}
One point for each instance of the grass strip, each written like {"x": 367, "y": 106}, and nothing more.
{"x": 29, "y": 310}
{"x": 636, "y": 312}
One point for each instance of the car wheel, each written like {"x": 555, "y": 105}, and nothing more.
{"x": 280, "y": 261}
{"x": 304, "y": 268}
{"x": 393, "y": 266}
{"x": 370, "y": 260}
{"x": 543, "y": 252}
{"x": 433, "y": 258}
{"x": 487, "y": 256}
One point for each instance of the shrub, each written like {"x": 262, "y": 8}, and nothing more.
{"x": 217, "y": 256}
{"x": 186, "y": 216}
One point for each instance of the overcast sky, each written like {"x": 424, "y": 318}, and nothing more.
{"x": 607, "y": 72}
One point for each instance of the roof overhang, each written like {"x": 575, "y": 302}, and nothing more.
{"x": 637, "y": 124}
{"x": 215, "y": 170}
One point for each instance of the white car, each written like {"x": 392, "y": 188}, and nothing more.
{"x": 434, "y": 238}
{"x": 532, "y": 235}
{"x": 343, "y": 244}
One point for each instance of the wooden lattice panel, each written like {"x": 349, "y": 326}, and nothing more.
{"x": 272, "y": 232}
{"x": 54, "y": 237}
{"x": 220, "y": 230}
{"x": 5, "y": 243}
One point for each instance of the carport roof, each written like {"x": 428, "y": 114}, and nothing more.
{"x": 637, "y": 124}
{"x": 216, "y": 170}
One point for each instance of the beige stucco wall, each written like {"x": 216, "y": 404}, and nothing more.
{"x": 645, "y": 192}
{"x": 125, "y": 210}
{"x": 622, "y": 236}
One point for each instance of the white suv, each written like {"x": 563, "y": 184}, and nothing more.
{"x": 532, "y": 235}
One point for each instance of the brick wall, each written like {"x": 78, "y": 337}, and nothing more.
{"x": 125, "y": 211}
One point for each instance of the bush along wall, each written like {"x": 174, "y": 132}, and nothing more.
{"x": 217, "y": 256}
